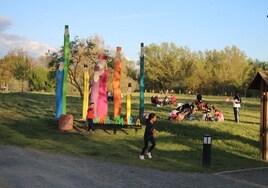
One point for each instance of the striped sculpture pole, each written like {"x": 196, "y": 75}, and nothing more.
{"x": 129, "y": 103}
{"x": 59, "y": 84}
{"x": 99, "y": 75}
{"x": 141, "y": 111}
{"x": 86, "y": 92}
{"x": 95, "y": 86}
{"x": 102, "y": 103}
{"x": 66, "y": 53}
{"x": 116, "y": 83}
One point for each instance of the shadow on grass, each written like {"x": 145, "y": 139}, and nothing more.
{"x": 181, "y": 149}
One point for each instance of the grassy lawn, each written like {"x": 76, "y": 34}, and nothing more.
{"x": 27, "y": 120}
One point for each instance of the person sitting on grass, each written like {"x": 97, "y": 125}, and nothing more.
{"x": 186, "y": 107}
{"x": 157, "y": 100}
{"x": 173, "y": 114}
{"x": 181, "y": 112}
{"x": 173, "y": 100}
{"x": 219, "y": 116}
{"x": 182, "y": 115}
{"x": 207, "y": 115}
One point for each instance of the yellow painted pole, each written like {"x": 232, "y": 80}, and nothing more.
{"x": 86, "y": 92}
{"x": 128, "y": 103}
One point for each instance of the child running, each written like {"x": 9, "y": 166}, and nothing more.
{"x": 149, "y": 135}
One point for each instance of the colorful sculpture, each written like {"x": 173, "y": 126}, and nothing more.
{"x": 66, "y": 53}
{"x": 102, "y": 109}
{"x": 95, "y": 86}
{"x": 86, "y": 92}
{"x": 116, "y": 83}
{"x": 59, "y": 80}
{"x": 129, "y": 119}
{"x": 141, "y": 111}
{"x": 99, "y": 87}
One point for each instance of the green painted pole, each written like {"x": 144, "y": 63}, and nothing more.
{"x": 141, "y": 82}
{"x": 66, "y": 53}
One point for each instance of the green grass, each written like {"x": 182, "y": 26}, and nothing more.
{"x": 27, "y": 120}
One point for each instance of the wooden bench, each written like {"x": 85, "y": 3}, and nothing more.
{"x": 83, "y": 125}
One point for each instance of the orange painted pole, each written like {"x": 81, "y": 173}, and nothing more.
{"x": 116, "y": 83}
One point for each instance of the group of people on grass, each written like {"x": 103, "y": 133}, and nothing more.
{"x": 182, "y": 111}
{"x": 185, "y": 110}
{"x": 157, "y": 100}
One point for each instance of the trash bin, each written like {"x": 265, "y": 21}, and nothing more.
{"x": 206, "y": 150}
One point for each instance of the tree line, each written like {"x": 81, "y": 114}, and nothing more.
{"x": 40, "y": 74}
{"x": 210, "y": 72}
{"x": 167, "y": 67}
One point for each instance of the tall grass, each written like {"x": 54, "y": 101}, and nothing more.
{"x": 27, "y": 120}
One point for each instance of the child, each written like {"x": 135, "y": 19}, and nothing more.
{"x": 219, "y": 116}
{"x": 173, "y": 114}
{"x": 149, "y": 135}
{"x": 207, "y": 115}
{"x": 90, "y": 117}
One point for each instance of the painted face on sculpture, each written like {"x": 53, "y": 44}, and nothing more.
{"x": 61, "y": 66}
{"x": 96, "y": 73}
{"x": 99, "y": 69}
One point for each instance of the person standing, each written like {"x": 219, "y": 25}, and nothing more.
{"x": 90, "y": 117}
{"x": 149, "y": 135}
{"x": 199, "y": 97}
{"x": 236, "y": 106}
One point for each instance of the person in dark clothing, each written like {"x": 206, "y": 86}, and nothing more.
{"x": 186, "y": 107}
{"x": 236, "y": 106}
{"x": 199, "y": 97}
{"x": 198, "y": 101}
{"x": 149, "y": 135}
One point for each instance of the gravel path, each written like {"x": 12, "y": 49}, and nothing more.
{"x": 20, "y": 167}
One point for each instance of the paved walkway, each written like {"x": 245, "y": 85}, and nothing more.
{"x": 20, "y": 167}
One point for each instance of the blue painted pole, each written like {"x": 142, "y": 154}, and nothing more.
{"x": 59, "y": 85}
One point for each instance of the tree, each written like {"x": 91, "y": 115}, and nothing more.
{"x": 38, "y": 79}
{"x": 82, "y": 51}
{"x": 131, "y": 71}
{"x": 189, "y": 74}
{"x": 162, "y": 66}
{"x": 6, "y": 68}
{"x": 22, "y": 69}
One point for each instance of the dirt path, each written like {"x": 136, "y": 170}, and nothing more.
{"x": 21, "y": 168}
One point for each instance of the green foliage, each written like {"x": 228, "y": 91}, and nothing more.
{"x": 6, "y": 69}
{"x": 212, "y": 72}
{"x": 38, "y": 80}
{"x": 27, "y": 120}
{"x": 22, "y": 69}
{"x": 215, "y": 72}
{"x": 82, "y": 52}
{"x": 131, "y": 71}
{"x": 161, "y": 67}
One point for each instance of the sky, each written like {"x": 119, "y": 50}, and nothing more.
{"x": 38, "y": 26}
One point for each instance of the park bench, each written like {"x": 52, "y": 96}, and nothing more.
{"x": 82, "y": 124}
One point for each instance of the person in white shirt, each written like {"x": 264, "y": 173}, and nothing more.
{"x": 236, "y": 106}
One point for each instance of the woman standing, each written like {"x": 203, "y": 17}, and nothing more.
{"x": 149, "y": 135}
{"x": 236, "y": 106}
